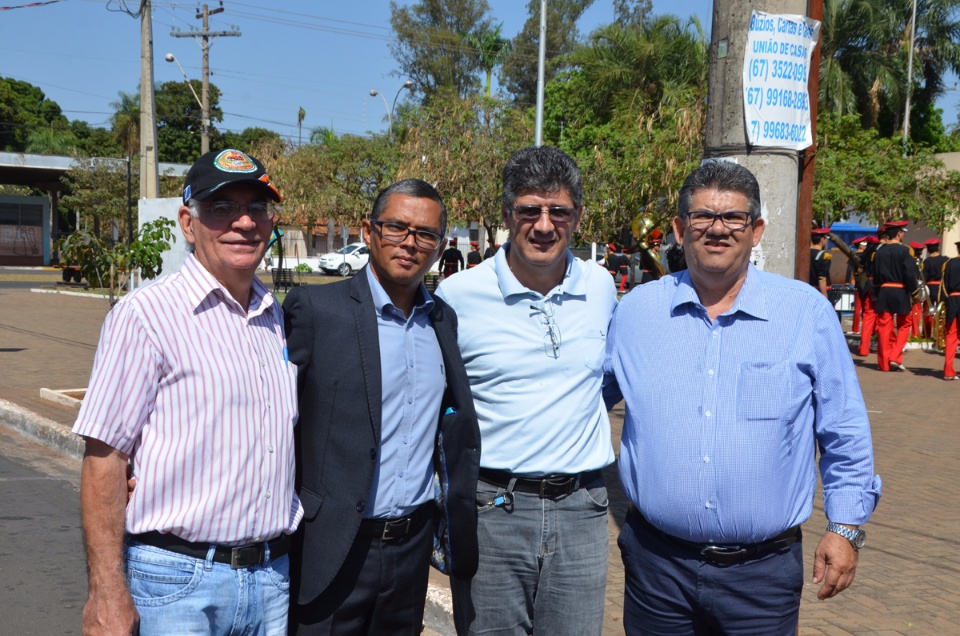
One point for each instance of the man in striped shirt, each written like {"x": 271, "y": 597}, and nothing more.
{"x": 192, "y": 388}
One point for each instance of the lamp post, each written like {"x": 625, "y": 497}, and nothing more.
{"x": 906, "y": 114}
{"x": 374, "y": 92}
{"x": 204, "y": 114}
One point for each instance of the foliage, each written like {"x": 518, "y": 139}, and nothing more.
{"x": 248, "y": 138}
{"x": 125, "y": 123}
{"x": 95, "y": 142}
{"x": 24, "y": 109}
{"x": 51, "y": 141}
{"x": 460, "y": 146}
{"x": 491, "y": 48}
{"x": 431, "y": 47}
{"x": 105, "y": 265}
{"x": 860, "y": 171}
{"x": 631, "y": 12}
{"x": 179, "y": 122}
{"x": 519, "y": 72}
{"x": 303, "y": 268}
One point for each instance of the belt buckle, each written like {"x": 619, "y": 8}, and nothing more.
{"x": 721, "y": 553}
{"x": 402, "y": 526}
{"x": 246, "y": 555}
{"x": 563, "y": 486}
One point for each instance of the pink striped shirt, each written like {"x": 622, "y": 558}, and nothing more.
{"x": 200, "y": 394}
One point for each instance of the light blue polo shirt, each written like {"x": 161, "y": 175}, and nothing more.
{"x": 535, "y": 364}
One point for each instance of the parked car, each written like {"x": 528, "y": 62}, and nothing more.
{"x": 346, "y": 260}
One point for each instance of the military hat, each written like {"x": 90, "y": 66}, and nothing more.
{"x": 656, "y": 237}
{"x": 820, "y": 231}
{"x": 611, "y": 247}
{"x": 900, "y": 225}
{"x": 871, "y": 239}
{"x": 917, "y": 245}
{"x": 859, "y": 240}
{"x": 932, "y": 241}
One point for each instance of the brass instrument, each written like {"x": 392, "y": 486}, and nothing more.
{"x": 642, "y": 227}
{"x": 940, "y": 325}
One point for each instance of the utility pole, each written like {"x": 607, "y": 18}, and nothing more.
{"x": 149, "y": 168}
{"x": 205, "y": 36}
{"x": 777, "y": 169}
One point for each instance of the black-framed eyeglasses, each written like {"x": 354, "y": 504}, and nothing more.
{"x": 229, "y": 211}
{"x": 398, "y": 233}
{"x": 732, "y": 219}
{"x": 528, "y": 213}
{"x": 551, "y": 339}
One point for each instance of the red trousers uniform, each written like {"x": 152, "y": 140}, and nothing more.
{"x": 857, "y": 310}
{"x": 890, "y": 341}
{"x": 869, "y": 325}
{"x": 950, "y": 351}
{"x": 916, "y": 320}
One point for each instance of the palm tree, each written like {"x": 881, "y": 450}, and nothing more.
{"x": 125, "y": 122}
{"x": 491, "y": 48}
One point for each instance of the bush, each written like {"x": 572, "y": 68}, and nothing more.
{"x": 303, "y": 268}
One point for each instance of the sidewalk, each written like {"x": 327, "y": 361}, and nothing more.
{"x": 908, "y": 580}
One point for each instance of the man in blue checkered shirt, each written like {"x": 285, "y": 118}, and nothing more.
{"x": 741, "y": 376}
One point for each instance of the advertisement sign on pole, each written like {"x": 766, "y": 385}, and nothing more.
{"x": 776, "y": 67}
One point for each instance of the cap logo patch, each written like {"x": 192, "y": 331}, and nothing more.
{"x": 234, "y": 161}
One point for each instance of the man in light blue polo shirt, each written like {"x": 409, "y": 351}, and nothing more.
{"x": 532, "y": 333}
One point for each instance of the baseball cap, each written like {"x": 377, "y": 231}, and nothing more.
{"x": 219, "y": 168}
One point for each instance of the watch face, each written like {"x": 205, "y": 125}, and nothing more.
{"x": 860, "y": 539}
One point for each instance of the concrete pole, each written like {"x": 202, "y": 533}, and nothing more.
{"x": 149, "y": 168}
{"x": 777, "y": 170}
{"x": 205, "y": 86}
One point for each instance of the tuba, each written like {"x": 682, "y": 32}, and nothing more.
{"x": 642, "y": 227}
{"x": 940, "y": 325}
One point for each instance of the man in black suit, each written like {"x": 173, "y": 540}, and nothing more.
{"x": 384, "y": 406}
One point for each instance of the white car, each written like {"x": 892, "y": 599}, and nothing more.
{"x": 346, "y": 260}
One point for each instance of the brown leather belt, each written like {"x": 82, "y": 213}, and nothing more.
{"x": 400, "y": 528}
{"x": 243, "y": 556}
{"x": 897, "y": 285}
{"x": 546, "y": 487}
{"x": 723, "y": 554}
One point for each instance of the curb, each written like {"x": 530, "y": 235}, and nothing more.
{"x": 437, "y": 615}
{"x": 39, "y": 428}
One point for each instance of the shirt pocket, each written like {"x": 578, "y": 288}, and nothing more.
{"x": 763, "y": 391}
{"x": 594, "y": 348}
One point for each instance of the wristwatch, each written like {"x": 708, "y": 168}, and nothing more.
{"x": 856, "y": 537}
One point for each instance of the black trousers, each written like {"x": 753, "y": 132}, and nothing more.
{"x": 380, "y": 590}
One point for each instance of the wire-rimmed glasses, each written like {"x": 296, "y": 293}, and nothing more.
{"x": 551, "y": 339}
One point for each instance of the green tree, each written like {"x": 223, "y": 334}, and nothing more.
{"x": 179, "y": 121}
{"x": 24, "y": 109}
{"x": 95, "y": 142}
{"x": 491, "y": 48}
{"x": 631, "y": 12}
{"x": 519, "y": 72}
{"x": 125, "y": 123}
{"x": 431, "y": 47}
{"x": 248, "y": 139}
{"x": 52, "y": 141}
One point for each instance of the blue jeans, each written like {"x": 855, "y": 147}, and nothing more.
{"x": 672, "y": 591}
{"x": 543, "y": 565}
{"x": 183, "y": 595}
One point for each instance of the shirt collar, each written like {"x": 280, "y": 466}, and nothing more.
{"x": 423, "y": 302}
{"x": 573, "y": 282}
{"x": 750, "y": 300}
{"x": 200, "y": 284}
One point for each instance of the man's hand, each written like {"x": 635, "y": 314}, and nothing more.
{"x": 110, "y": 613}
{"x": 835, "y": 564}
{"x": 109, "y": 610}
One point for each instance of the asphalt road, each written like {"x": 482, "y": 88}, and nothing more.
{"x": 43, "y": 582}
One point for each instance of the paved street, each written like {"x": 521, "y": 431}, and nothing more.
{"x": 908, "y": 581}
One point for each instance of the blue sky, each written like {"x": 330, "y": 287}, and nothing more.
{"x": 321, "y": 55}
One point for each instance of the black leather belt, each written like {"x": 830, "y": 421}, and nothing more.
{"x": 546, "y": 487}
{"x": 724, "y": 554}
{"x": 243, "y": 556}
{"x": 397, "y": 529}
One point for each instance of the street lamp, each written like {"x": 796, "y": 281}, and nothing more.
{"x": 374, "y": 92}
{"x": 204, "y": 115}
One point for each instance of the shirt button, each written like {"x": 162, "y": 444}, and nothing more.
{"x": 409, "y": 400}
{"x": 710, "y": 372}
{"x": 360, "y": 506}
{"x": 708, "y": 505}
{"x": 268, "y": 494}
{"x": 707, "y": 413}
{"x": 400, "y": 473}
{"x": 404, "y": 440}
{"x": 269, "y": 405}
{"x": 270, "y": 449}
{"x": 373, "y": 453}
{"x": 707, "y": 459}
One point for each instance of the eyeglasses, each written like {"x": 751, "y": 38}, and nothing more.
{"x": 398, "y": 233}
{"x": 229, "y": 211}
{"x": 528, "y": 213}
{"x": 732, "y": 220}
{"x": 551, "y": 340}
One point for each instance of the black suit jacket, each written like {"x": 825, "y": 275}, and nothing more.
{"x": 332, "y": 338}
